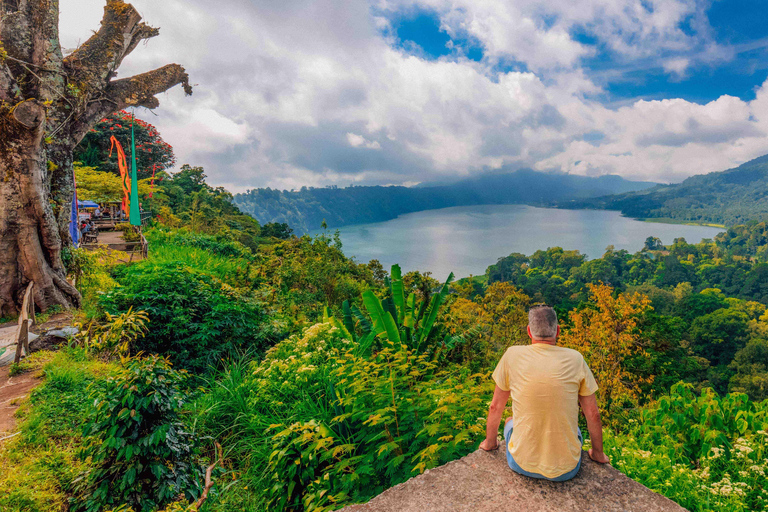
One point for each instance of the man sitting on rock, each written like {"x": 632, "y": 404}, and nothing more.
{"x": 547, "y": 384}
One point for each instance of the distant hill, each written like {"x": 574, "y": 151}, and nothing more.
{"x": 728, "y": 197}
{"x": 305, "y": 210}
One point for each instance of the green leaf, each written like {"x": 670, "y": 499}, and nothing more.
{"x": 410, "y": 307}
{"x": 437, "y": 301}
{"x": 398, "y": 293}
{"x": 375, "y": 309}
{"x": 365, "y": 324}
{"x": 348, "y": 321}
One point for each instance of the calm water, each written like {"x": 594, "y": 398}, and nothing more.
{"x": 466, "y": 239}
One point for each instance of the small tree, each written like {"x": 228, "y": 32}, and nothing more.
{"x": 606, "y": 335}
{"x": 142, "y": 454}
{"x": 153, "y": 154}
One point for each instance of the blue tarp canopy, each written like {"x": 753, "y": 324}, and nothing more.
{"x": 87, "y": 204}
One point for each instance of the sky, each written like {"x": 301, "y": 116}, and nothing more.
{"x": 324, "y": 92}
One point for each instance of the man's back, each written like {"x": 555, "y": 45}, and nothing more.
{"x": 545, "y": 382}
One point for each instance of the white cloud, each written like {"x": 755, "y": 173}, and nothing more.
{"x": 357, "y": 141}
{"x": 676, "y": 66}
{"x": 312, "y": 93}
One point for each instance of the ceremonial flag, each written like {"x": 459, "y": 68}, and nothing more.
{"x": 123, "y": 166}
{"x": 135, "y": 217}
{"x": 73, "y": 220}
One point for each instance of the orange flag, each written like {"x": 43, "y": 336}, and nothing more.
{"x": 124, "y": 177}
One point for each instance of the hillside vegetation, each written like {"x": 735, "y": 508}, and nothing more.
{"x": 325, "y": 380}
{"x": 306, "y": 209}
{"x": 729, "y": 197}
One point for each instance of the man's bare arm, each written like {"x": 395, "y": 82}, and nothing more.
{"x": 495, "y": 412}
{"x": 595, "y": 426}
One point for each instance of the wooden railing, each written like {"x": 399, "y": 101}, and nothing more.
{"x": 26, "y": 319}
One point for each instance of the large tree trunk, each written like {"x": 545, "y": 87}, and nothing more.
{"x": 47, "y": 104}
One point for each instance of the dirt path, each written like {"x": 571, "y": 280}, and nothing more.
{"x": 12, "y": 391}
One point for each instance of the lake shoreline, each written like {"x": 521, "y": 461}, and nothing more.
{"x": 467, "y": 239}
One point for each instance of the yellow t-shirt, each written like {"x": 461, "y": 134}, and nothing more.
{"x": 545, "y": 381}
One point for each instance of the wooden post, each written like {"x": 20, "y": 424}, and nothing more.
{"x": 26, "y": 318}
{"x": 31, "y": 302}
{"x": 22, "y": 341}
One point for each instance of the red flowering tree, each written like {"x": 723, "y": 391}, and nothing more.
{"x": 153, "y": 154}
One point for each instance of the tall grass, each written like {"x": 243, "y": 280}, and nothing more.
{"x": 234, "y": 271}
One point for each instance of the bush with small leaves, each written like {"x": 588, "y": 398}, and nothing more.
{"x": 141, "y": 454}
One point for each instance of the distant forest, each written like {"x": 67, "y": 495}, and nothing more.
{"x": 306, "y": 209}
{"x": 729, "y": 197}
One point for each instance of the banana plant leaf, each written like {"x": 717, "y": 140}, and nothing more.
{"x": 398, "y": 293}
{"x": 382, "y": 320}
{"x": 365, "y": 324}
{"x": 434, "y": 306}
{"x": 409, "y": 320}
{"x": 349, "y": 322}
{"x": 389, "y": 305}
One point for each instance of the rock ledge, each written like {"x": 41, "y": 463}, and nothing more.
{"x": 481, "y": 481}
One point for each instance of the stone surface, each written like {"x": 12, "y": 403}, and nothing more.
{"x": 481, "y": 481}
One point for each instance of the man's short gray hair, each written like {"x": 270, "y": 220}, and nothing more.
{"x": 543, "y": 322}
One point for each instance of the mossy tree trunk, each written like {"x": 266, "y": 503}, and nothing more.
{"x": 48, "y": 103}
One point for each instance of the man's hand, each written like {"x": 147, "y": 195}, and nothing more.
{"x": 597, "y": 456}
{"x": 487, "y": 446}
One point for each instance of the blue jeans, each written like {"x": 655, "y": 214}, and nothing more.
{"x": 517, "y": 469}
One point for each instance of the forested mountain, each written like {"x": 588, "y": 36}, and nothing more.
{"x": 729, "y": 197}
{"x": 305, "y": 210}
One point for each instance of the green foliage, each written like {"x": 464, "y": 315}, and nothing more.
{"x": 397, "y": 319}
{"x": 98, "y": 186}
{"x": 40, "y": 464}
{"x": 730, "y": 197}
{"x": 344, "y": 425}
{"x": 750, "y": 368}
{"x": 129, "y": 232}
{"x": 116, "y": 335}
{"x": 153, "y": 154}
{"x": 279, "y": 230}
{"x": 196, "y": 318}
{"x": 91, "y": 271}
{"x": 705, "y": 452}
{"x": 141, "y": 453}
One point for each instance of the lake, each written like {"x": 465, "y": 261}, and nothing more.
{"x": 467, "y": 239}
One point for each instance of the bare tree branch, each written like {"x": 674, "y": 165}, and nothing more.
{"x": 208, "y": 479}
{"x": 102, "y": 54}
{"x": 136, "y": 91}
{"x": 140, "y": 90}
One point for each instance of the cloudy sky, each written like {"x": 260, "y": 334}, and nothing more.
{"x": 319, "y": 92}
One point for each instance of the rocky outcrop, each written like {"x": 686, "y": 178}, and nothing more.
{"x": 481, "y": 481}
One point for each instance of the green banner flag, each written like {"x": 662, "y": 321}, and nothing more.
{"x": 135, "y": 216}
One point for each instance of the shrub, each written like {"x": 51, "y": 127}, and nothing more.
{"x": 320, "y": 423}
{"x": 91, "y": 271}
{"x": 40, "y": 464}
{"x": 141, "y": 453}
{"x": 116, "y": 335}
{"x": 129, "y": 232}
{"x": 705, "y": 452}
{"x": 196, "y": 318}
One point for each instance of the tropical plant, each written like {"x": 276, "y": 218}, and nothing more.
{"x": 115, "y": 336}
{"x": 395, "y": 319}
{"x": 141, "y": 453}
{"x": 705, "y": 451}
